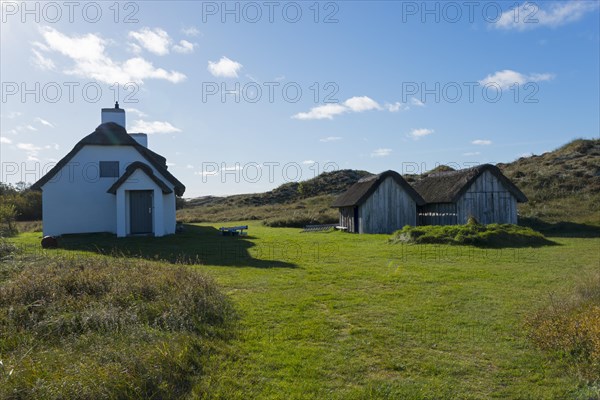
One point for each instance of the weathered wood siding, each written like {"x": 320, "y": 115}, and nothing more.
{"x": 487, "y": 200}
{"x": 389, "y": 208}
{"x": 437, "y": 214}
{"x": 347, "y": 218}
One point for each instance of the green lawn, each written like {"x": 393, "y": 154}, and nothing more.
{"x": 335, "y": 315}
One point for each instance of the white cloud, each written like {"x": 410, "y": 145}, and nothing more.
{"x": 155, "y": 40}
{"x": 12, "y": 114}
{"x": 31, "y": 150}
{"x": 5, "y": 140}
{"x": 330, "y": 139}
{"x": 472, "y": 153}
{"x": 184, "y": 47}
{"x": 416, "y": 102}
{"x": 481, "y": 142}
{"x": 26, "y": 128}
{"x": 139, "y": 113}
{"x": 360, "y": 104}
{"x": 530, "y": 15}
{"x": 54, "y": 146}
{"x": 170, "y": 164}
{"x": 381, "y": 153}
{"x": 190, "y": 31}
{"x": 42, "y": 62}
{"x": 44, "y": 122}
{"x": 134, "y": 48}
{"x": 327, "y": 111}
{"x": 308, "y": 162}
{"x": 92, "y": 62}
{"x": 506, "y": 78}
{"x": 395, "y": 107}
{"x": 417, "y": 134}
{"x": 189, "y": 166}
{"x": 225, "y": 68}
{"x": 152, "y": 127}
{"x": 353, "y": 104}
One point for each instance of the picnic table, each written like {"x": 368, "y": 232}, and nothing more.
{"x": 234, "y": 230}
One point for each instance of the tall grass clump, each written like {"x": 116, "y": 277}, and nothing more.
{"x": 106, "y": 328}
{"x": 569, "y": 328}
{"x": 7, "y": 249}
{"x": 492, "y": 235}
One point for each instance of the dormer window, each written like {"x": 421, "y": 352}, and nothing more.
{"x": 109, "y": 169}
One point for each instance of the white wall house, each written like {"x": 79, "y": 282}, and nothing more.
{"x": 110, "y": 182}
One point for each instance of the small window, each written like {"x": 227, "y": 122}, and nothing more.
{"x": 109, "y": 169}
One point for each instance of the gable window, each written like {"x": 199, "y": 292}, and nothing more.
{"x": 109, "y": 169}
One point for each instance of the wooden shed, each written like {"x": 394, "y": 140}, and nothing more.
{"x": 482, "y": 192}
{"x": 380, "y": 203}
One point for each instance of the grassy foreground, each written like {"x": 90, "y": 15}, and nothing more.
{"x": 102, "y": 328}
{"x": 341, "y": 316}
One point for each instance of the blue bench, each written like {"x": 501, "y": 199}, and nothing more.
{"x": 234, "y": 230}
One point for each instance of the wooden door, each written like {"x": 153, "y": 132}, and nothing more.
{"x": 140, "y": 211}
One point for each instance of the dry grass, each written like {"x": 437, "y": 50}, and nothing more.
{"x": 570, "y": 328}
{"x": 83, "y": 328}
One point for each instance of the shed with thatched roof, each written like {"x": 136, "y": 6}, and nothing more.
{"x": 378, "y": 204}
{"x": 482, "y": 192}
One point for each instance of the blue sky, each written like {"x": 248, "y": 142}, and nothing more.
{"x": 245, "y": 96}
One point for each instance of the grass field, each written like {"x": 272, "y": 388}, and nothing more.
{"x": 338, "y": 316}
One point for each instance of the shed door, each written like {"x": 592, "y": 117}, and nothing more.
{"x": 356, "y": 224}
{"x": 140, "y": 211}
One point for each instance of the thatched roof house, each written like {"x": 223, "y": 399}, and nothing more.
{"x": 378, "y": 204}
{"x": 482, "y": 192}
{"x": 110, "y": 182}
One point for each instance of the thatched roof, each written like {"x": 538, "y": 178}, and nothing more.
{"x": 447, "y": 187}
{"x": 361, "y": 190}
{"x": 131, "y": 168}
{"x": 111, "y": 134}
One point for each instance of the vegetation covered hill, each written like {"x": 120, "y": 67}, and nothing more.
{"x": 562, "y": 185}
{"x": 291, "y": 204}
{"x": 327, "y": 183}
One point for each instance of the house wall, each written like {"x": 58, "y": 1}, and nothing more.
{"x": 388, "y": 209}
{"x": 437, "y": 214}
{"x": 347, "y": 218}
{"x": 169, "y": 217}
{"x": 488, "y": 201}
{"x": 75, "y": 199}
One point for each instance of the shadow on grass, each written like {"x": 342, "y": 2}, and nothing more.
{"x": 196, "y": 245}
{"x": 561, "y": 229}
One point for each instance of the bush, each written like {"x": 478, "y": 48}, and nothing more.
{"x": 107, "y": 328}
{"x": 493, "y": 235}
{"x": 570, "y": 328}
{"x": 300, "y": 220}
{"x": 27, "y": 202}
{"x": 8, "y": 215}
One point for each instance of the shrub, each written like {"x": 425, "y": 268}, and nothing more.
{"x": 493, "y": 235}
{"x": 8, "y": 215}
{"x": 570, "y": 329}
{"x": 300, "y": 220}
